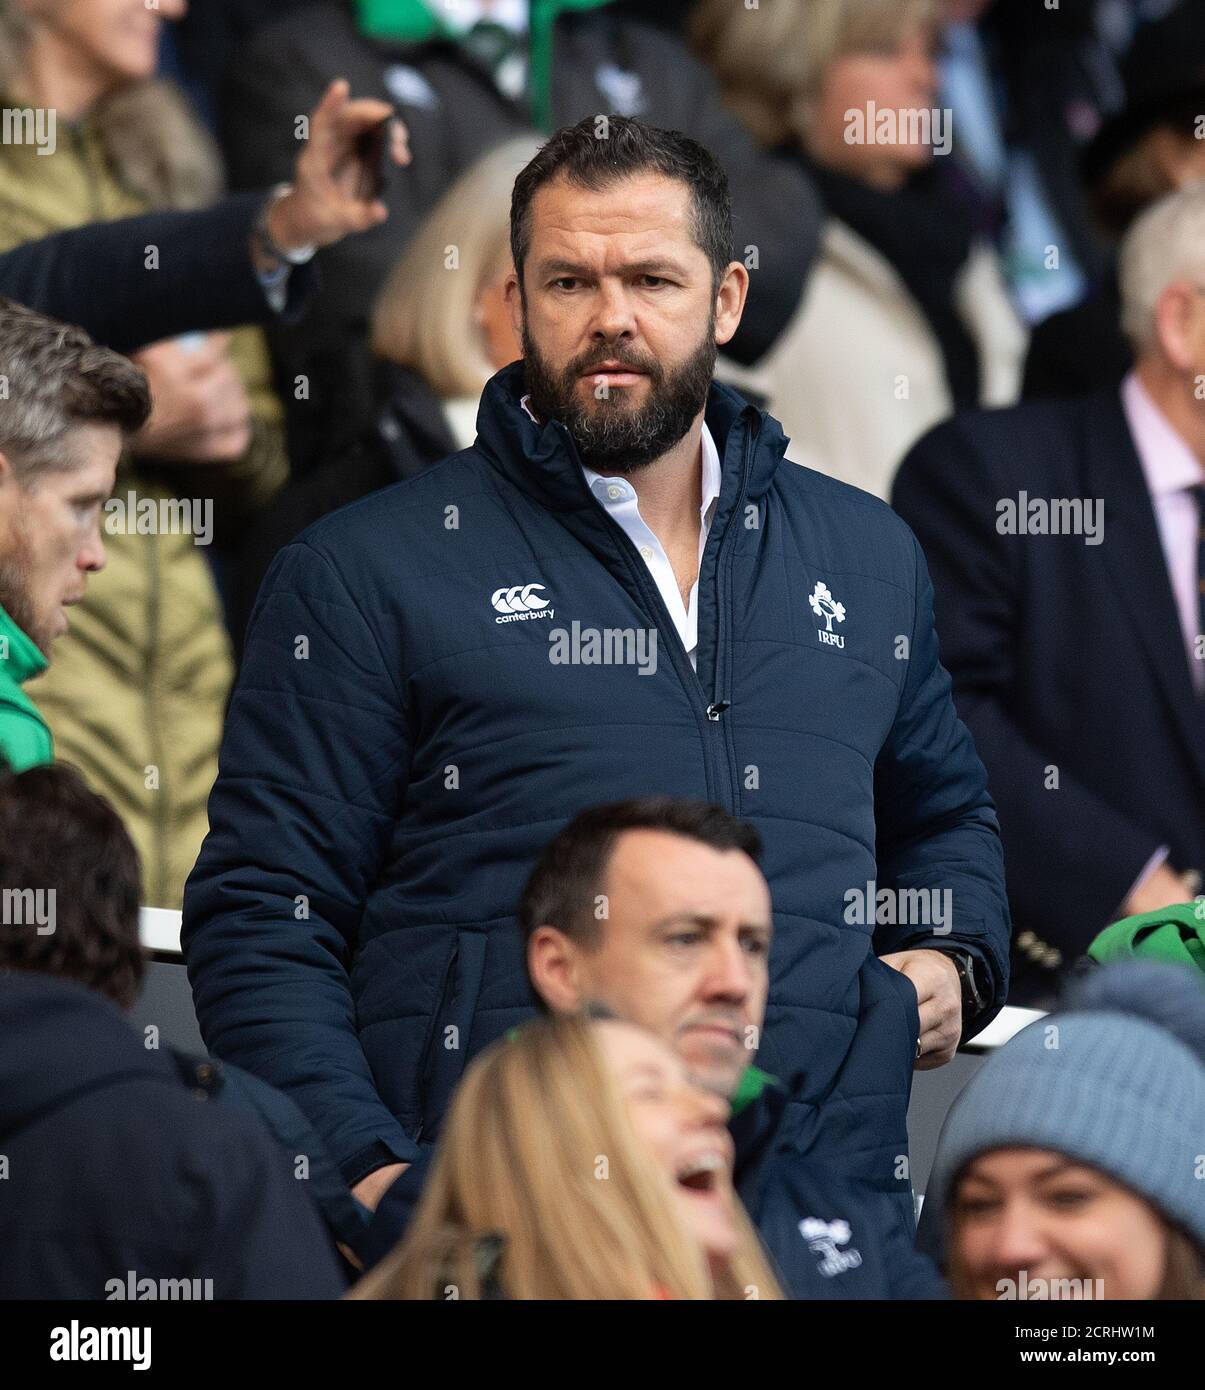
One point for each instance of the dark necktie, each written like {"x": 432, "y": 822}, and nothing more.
{"x": 1198, "y": 493}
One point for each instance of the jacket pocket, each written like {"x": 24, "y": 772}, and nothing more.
{"x": 399, "y": 983}
{"x": 446, "y": 1052}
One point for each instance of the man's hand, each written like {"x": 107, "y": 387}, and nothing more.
{"x": 200, "y": 412}
{"x": 324, "y": 204}
{"x": 939, "y": 996}
{"x": 371, "y": 1189}
{"x": 1162, "y": 887}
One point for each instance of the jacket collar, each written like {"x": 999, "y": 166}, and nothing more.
{"x": 24, "y": 659}
{"x": 542, "y": 461}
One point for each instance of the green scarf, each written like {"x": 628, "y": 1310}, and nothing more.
{"x": 1175, "y": 934}
{"x": 24, "y": 736}
{"x": 752, "y": 1083}
{"x": 410, "y": 21}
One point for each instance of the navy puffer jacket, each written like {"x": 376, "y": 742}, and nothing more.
{"x": 400, "y": 746}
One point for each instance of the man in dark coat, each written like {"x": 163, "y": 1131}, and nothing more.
{"x": 621, "y": 589}
{"x": 462, "y": 88}
{"x": 1064, "y": 540}
{"x": 126, "y": 1166}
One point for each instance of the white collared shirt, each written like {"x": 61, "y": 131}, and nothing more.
{"x": 618, "y": 496}
{"x": 1172, "y": 470}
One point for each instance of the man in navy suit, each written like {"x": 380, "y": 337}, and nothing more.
{"x": 1065, "y": 541}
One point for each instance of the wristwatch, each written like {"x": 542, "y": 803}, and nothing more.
{"x": 263, "y": 237}
{"x": 970, "y": 973}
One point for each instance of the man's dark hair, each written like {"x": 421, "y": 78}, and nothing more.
{"x": 593, "y": 155}
{"x": 56, "y": 834}
{"x": 569, "y": 874}
{"x": 55, "y": 379}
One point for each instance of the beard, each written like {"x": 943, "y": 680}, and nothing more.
{"x": 16, "y": 593}
{"x": 611, "y": 435}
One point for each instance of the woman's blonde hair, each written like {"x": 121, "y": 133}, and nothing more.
{"x": 538, "y": 1150}
{"x": 771, "y": 61}
{"x": 423, "y": 317}
{"x": 158, "y": 148}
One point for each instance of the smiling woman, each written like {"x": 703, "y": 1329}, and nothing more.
{"x": 1068, "y": 1168}
{"x": 579, "y": 1162}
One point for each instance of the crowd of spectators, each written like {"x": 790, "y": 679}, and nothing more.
{"x": 460, "y": 929}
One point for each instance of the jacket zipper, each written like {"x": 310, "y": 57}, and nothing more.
{"x": 720, "y": 699}
{"x": 651, "y": 596}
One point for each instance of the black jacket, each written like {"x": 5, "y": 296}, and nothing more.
{"x": 116, "y": 1167}
{"x": 96, "y": 276}
{"x": 1079, "y": 349}
{"x": 408, "y": 432}
{"x": 457, "y": 115}
{"x": 1068, "y": 660}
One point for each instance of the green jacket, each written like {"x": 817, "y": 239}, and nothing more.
{"x": 24, "y": 736}
{"x": 1175, "y": 934}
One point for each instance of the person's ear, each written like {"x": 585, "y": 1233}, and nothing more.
{"x": 1175, "y": 318}
{"x": 554, "y": 967}
{"x": 730, "y": 301}
{"x": 514, "y": 303}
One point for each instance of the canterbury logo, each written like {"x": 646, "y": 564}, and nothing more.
{"x": 520, "y": 598}
{"x": 520, "y": 602}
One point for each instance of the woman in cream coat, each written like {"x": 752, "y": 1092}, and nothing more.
{"x": 906, "y": 316}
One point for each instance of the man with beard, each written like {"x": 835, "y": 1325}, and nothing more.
{"x": 405, "y": 738}
{"x": 66, "y": 408}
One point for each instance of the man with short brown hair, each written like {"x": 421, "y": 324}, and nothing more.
{"x": 68, "y": 408}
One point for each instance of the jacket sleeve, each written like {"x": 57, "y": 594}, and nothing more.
{"x": 775, "y": 208}
{"x": 311, "y": 777}
{"x": 936, "y": 825}
{"x": 98, "y": 275}
{"x": 1070, "y": 867}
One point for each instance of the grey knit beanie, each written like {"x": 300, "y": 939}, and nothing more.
{"x": 1115, "y": 1080}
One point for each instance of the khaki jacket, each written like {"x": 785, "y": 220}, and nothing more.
{"x": 857, "y": 375}
{"x": 136, "y": 691}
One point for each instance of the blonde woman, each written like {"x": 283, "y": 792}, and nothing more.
{"x": 906, "y": 315}
{"x": 579, "y": 1162}
{"x": 138, "y": 689}
{"x": 441, "y": 312}
{"x": 440, "y": 330}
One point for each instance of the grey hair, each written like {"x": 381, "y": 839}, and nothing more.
{"x": 1165, "y": 244}
{"x": 53, "y": 378}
